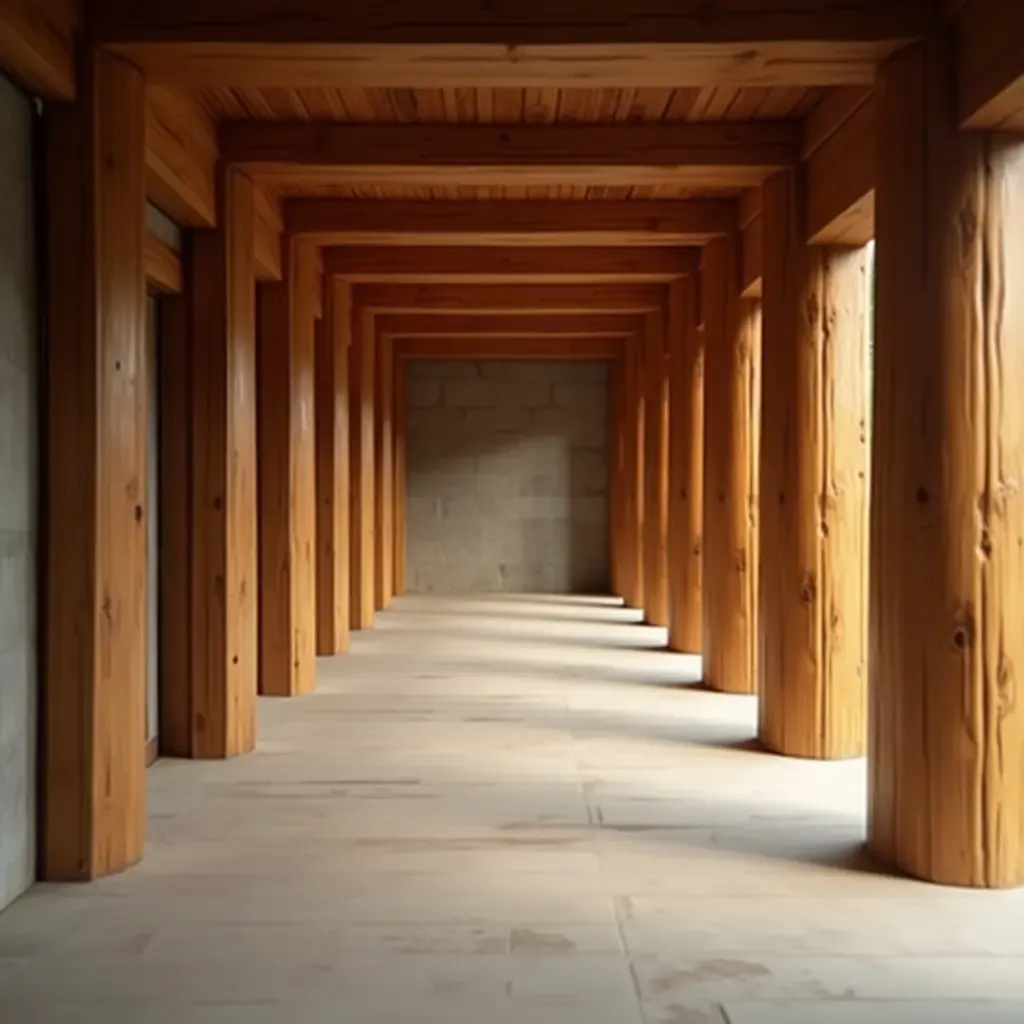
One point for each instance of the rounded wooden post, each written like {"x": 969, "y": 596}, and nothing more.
{"x": 686, "y": 467}
{"x": 633, "y": 469}
{"x": 731, "y": 427}
{"x": 946, "y": 725}
{"x": 812, "y": 612}
{"x": 655, "y": 535}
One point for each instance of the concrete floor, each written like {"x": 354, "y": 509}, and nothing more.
{"x": 508, "y": 810}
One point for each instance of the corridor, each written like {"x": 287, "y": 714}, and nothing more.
{"x": 508, "y": 810}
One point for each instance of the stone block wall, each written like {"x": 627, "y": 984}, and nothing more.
{"x": 507, "y": 477}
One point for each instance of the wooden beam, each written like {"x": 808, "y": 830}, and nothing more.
{"x": 679, "y": 222}
{"x": 91, "y": 779}
{"x": 181, "y": 159}
{"x": 37, "y": 45}
{"x": 522, "y": 300}
{"x": 163, "y": 267}
{"x": 990, "y": 72}
{"x": 269, "y": 233}
{"x": 388, "y": 264}
{"x": 835, "y": 109}
{"x": 710, "y": 154}
{"x": 500, "y": 347}
{"x": 448, "y": 325}
{"x": 556, "y": 44}
{"x": 840, "y": 177}
{"x": 332, "y": 459}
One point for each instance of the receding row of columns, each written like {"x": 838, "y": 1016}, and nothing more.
{"x": 856, "y": 561}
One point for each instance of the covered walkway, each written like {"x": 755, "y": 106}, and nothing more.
{"x": 508, "y": 810}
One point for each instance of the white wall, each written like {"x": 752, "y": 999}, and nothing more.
{"x": 18, "y": 474}
{"x": 507, "y": 477}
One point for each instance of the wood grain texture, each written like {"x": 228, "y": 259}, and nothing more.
{"x": 812, "y": 612}
{"x": 616, "y": 479}
{"x": 225, "y": 604}
{"x": 92, "y": 715}
{"x": 401, "y": 503}
{"x": 332, "y": 469}
{"x": 837, "y": 106}
{"x": 522, "y": 300}
{"x": 465, "y": 264}
{"x": 685, "y": 340}
{"x": 37, "y": 45}
{"x": 162, "y": 267}
{"x": 731, "y": 426}
{"x": 946, "y": 730}
{"x": 362, "y": 388}
{"x": 269, "y": 230}
{"x": 287, "y": 445}
{"x": 566, "y": 348}
{"x": 656, "y": 499}
{"x": 526, "y": 222}
{"x": 384, "y": 467}
{"x": 555, "y": 324}
{"x": 633, "y": 511}
{"x": 840, "y": 190}
{"x": 752, "y": 268}
{"x": 990, "y": 65}
{"x": 175, "y": 526}
{"x": 181, "y": 159}
{"x": 665, "y": 44}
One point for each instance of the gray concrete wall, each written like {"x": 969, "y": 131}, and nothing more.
{"x": 18, "y": 456}
{"x": 507, "y": 477}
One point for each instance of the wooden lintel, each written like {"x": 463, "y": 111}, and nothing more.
{"x": 522, "y": 264}
{"x": 841, "y": 183}
{"x": 181, "y": 159}
{"x": 446, "y": 325}
{"x": 569, "y": 348}
{"x": 163, "y": 267}
{"x": 524, "y": 300}
{"x": 530, "y": 222}
{"x": 556, "y": 44}
{"x": 752, "y": 241}
{"x": 37, "y": 45}
{"x": 835, "y": 109}
{"x": 990, "y": 51}
{"x": 721, "y": 154}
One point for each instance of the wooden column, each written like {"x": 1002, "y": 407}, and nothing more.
{"x": 287, "y": 446}
{"x": 616, "y": 479}
{"x": 731, "y": 425}
{"x": 224, "y": 591}
{"x": 92, "y": 782}
{"x": 401, "y": 492}
{"x": 812, "y": 612}
{"x": 332, "y": 464}
{"x": 655, "y": 473}
{"x": 384, "y": 468}
{"x": 361, "y": 448}
{"x": 946, "y": 723}
{"x": 633, "y": 461}
{"x": 686, "y": 466}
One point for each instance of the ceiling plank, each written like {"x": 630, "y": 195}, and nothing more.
{"x": 841, "y": 183}
{"x": 511, "y": 348}
{"x": 522, "y": 264}
{"x": 557, "y": 43}
{"x": 181, "y": 159}
{"x": 37, "y": 45}
{"x": 497, "y": 222}
{"x": 990, "y": 50}
{"x": 432, "y": 325}
{"x": 721, "y": 155}
{"x": 519, "y": 299}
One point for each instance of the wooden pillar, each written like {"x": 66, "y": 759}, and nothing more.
{"x": 686, "y": 466}
{"x": 946, "y": 725}
{"x": 224, "y": 585}
{"x": 731, "y": 425}
{"x": 361, "y": 448}
{"x": 384, "y": 468}
{"x": 655, "y": 473}
{"x": 332, "y": 463}
{"x": 287, "y": 447}
{"x": 616, "y": 479}
{"x": 633, "y": 462}
{"x": 812, "y": 612}
{"x": 401, "y": 567}
{"x": 92, "y": 782}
